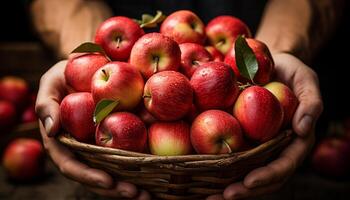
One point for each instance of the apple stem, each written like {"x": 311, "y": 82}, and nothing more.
{"x": 195, "y": 62}
{"x": 227, "y": 146}
{"x": 156, "y": 60}
{"x": 106, "y": 75}
{"x": 220, "y": 43}
{"x": 243, "y": 86}
{"x": 118, "y": 41}
{"x": 146, "y": 96}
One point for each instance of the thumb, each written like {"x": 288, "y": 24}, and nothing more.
{"x": 51, "y": 90}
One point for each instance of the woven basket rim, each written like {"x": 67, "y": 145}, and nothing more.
{"x": 130, "y": 156}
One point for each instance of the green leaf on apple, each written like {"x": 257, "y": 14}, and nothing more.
{"x": 103, "y": 108}
{"x": 246, "y": 61}
{"x": 150, "y": 21}
{"x": 89, "y": 47}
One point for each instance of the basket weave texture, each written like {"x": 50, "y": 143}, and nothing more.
{"x": 178, "y": 177}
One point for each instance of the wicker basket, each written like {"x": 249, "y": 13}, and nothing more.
{"x": 178, "y": 177}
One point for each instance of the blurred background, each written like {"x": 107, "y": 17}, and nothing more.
{"x": 23, "y": 55}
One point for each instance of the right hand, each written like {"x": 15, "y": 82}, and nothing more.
{"x": 52, "y": 89}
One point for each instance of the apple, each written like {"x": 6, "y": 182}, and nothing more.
{"x": 192, "y": 55}
{"x": 331, "y": 157}
{"x": 168, "y": 95}
{"x": 222, "y": 32}
{"x": 146, "y": 116}
{"x": 118, "y": 81}
{"x": 122, "y": 130}
{"x": 266, "y": 64}
{"x": 155, "y": 52}
{"x": 259, "y": 113}
{"x": 81, "y": 67}
{"x": 216, "y": 132}
{"x": 169, "y": 138}
{"x": 14, "y": 89}
{"x": 184, "y": 26}
{"x": 29, "y": 115}
{"x": 215, "y": 54}
{"x": 24, "y": 159}
{"x": 117, "y": 35}
{"x": 76, "y": 114}
{"x": 192, "y": 113}
{"x": 7, "y": 115}
{"x": 287, "y": 99}
{"x": 214, "y": 85}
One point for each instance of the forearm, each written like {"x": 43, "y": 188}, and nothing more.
{"x": 298, "y": 27}
{"x": 64, "y": 24}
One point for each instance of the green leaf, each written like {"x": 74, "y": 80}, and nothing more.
{"x": 149, "y": 21}
{"x": 89, "y": 47}
{"x": 245, "y": 59}
{"x": 103, "y": 108}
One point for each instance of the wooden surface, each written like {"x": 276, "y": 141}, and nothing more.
{"x": 304, "y": 185}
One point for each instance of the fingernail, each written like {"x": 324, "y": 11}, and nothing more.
{"x": 125, "y": 194}
{"x": 306, "y": 123}
{"x": 48, "y": 123}
{"x": 102, "y": 185}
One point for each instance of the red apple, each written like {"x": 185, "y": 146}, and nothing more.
{"x": 169, "y": 138}
{"x": 214, "y": 85}
{"x": 259, "y": 113}
{"x": 29, "y": 115}
{"x": 215, "y": 54}
{"x": 183, "y": 26}
{"x": 117, "y": 35}
{"x": 7, "y": 115}
{"x": 155, "y": 52}
{"x": 216, "y": 132}
{"x": 14, "y": 89}
{"x": 76, "y": 113}
{"x": 118, "y": 81}
{"x": 80, "y": 69}
{"x": 287, "y": 99}
{"x": 331, "y": 157}
{"x": 146, "y": 116}
{"x": 168, "y": 95}
{"x": 191, "y": 56}
{"x": 122, "y": 130}
{"x": 24, "y": 159}
{"x": 222, "y": 32}
{"x": 266, "y": 65}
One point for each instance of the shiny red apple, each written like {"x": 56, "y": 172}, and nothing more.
{"x": 15, "y": 90}
{"x": 7, "y": 115}
{"x": 215, "y": 54}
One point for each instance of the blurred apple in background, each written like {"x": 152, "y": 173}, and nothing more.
{"x": 155, "y": 52}
{"x": 15, "y": 90}
{"x": 169, "y": 138}
{"x": 331, "y": 157}
{"x": 29, "y": 115}
{"x": 122, "y": 130}
{"x": 24, "y": 159}
{"x": 81, "y": 67}
{"x": 7, "y": 115}
{"x": 222, "y": 32}
{"x": 76, "y": 115}
{"x": 184, "y": 26}
{"x": 216, "y": 132}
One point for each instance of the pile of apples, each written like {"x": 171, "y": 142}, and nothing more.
{"x": 188, "y": 88}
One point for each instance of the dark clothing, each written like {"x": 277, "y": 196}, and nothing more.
{"x": 249, "y": 11}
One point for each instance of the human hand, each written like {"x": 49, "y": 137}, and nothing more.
{"x": 51, "y": 91}
{"x": 304, "y": 83}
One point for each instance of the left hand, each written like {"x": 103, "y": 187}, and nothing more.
{"x": 304, "y": 83}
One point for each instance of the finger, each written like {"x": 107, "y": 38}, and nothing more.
{"x": 283, "y": 167}
{"x": 304, "y": 82}
{"x": 215, "y": 197}
{"x": 51, "y": 91}
{"x": 239, "y": 191}
{"x": 143, "y": 195}
{"x": 121, "y": 189}
{"x": 70, "y": 167}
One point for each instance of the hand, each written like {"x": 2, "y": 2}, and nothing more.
{"x": 304, "y": 82}
{"x": 51, "y": 91}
